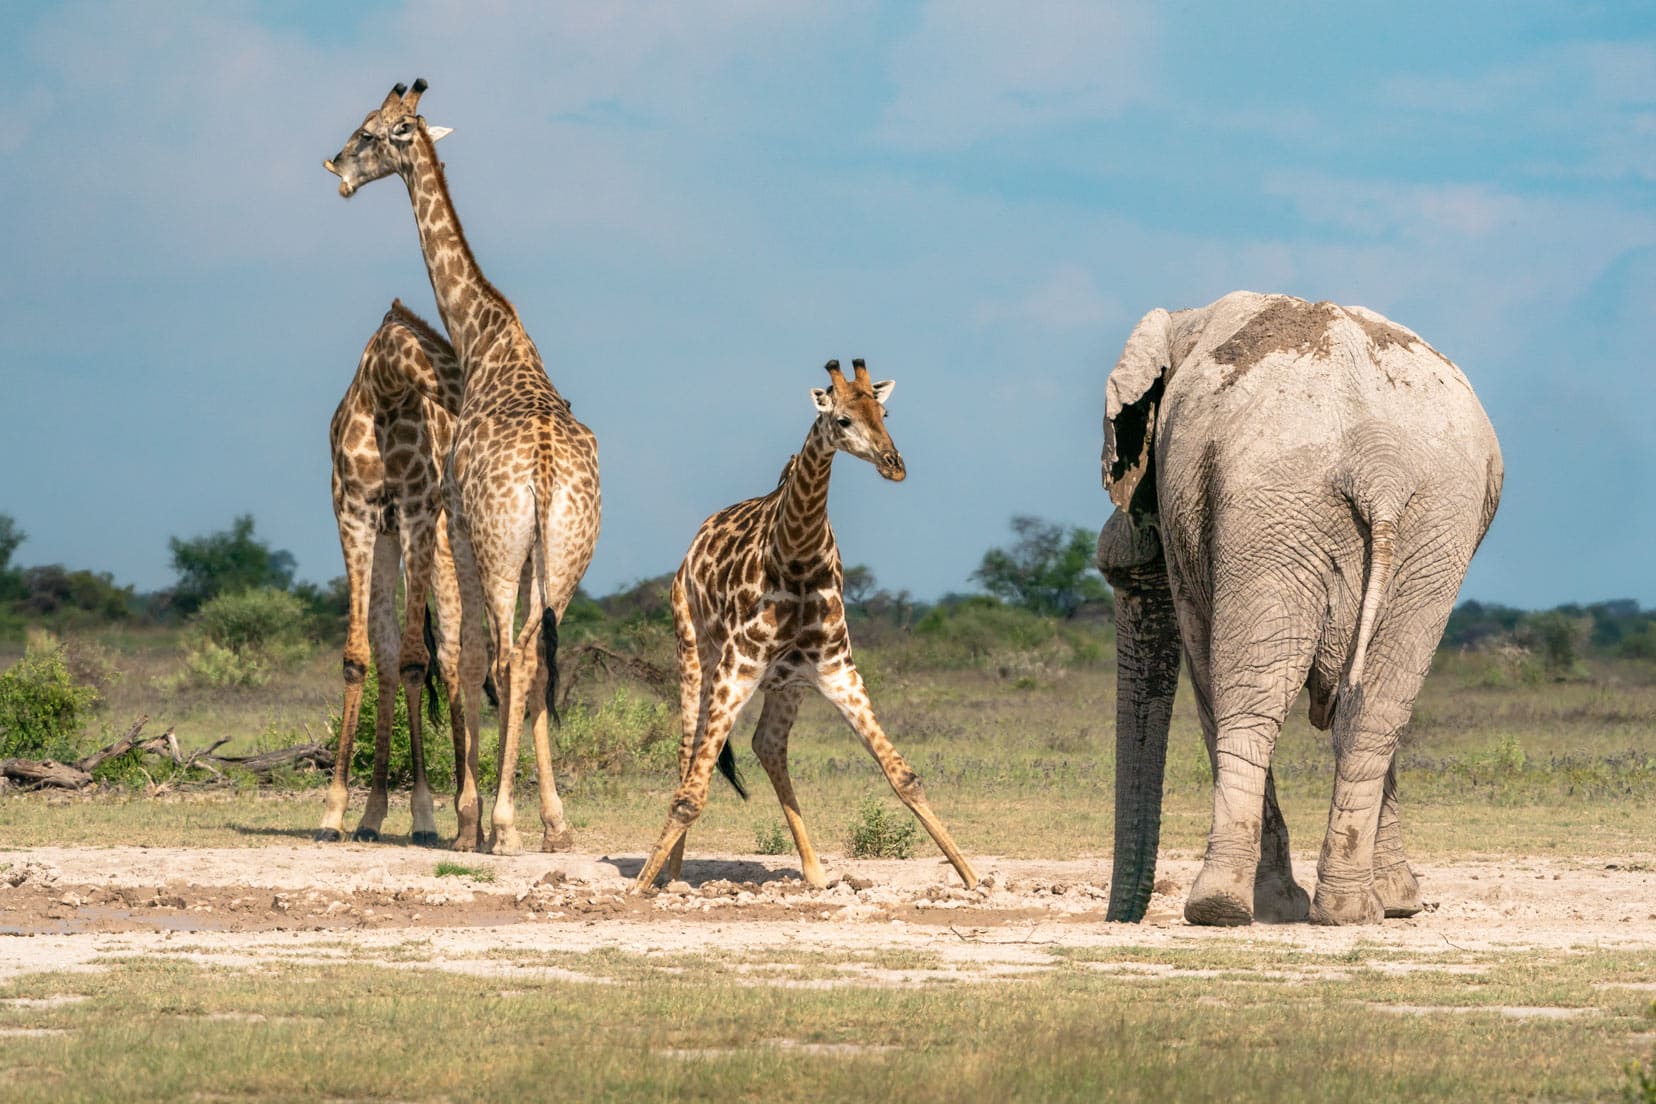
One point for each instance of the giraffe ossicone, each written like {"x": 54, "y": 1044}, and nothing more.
{"x": 758, "y": 605}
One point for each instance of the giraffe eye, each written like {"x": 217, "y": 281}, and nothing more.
{"x": 845, "y": 423}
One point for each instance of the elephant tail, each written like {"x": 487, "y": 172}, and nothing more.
{"x": 1382, "y": 561}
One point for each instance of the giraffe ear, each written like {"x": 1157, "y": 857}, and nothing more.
{"x": 823, "y": 399}
{"x": 883, "y": 390}
{"x": 439, "y": 133}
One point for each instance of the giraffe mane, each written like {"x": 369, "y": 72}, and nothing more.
{"x": 423, "y": 136}
{"x": 425, "y": 331}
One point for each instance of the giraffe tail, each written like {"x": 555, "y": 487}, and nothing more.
{"x": 431, "y": 667}
{"x": 727, "y": 767}
{"x": 549, "y": 656}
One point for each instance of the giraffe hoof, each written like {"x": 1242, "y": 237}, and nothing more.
{"x": 561, "y": 840}
{"x": 506, "y": 842}
{"x": 466, "y": 842}
{"x": 424, "y": 839}
{"x": 366, "y": 835}
{"x": 327, "y": 835}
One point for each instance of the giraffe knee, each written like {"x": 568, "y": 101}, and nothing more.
{"x": 686, "y": 808}
{"x": 907, "y": 783}
{"x": 356, "y": 671}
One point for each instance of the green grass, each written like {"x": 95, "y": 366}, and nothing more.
{"x": 449, "y": 869}
{"x": 1549, "y": 769}
{"x": 692, "y": 1027}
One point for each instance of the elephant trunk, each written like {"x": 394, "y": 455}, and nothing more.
{"x": 1147, "y": 675}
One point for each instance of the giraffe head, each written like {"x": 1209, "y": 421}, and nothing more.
{"x": 853, "y": 413}
{"x": 384, "y": 143}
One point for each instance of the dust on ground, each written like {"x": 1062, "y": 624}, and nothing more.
{"x": 63, "y": 908}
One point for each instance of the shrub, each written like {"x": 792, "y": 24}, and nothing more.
{"x": 880, "y": 833}
{"x": 436, "y": 736}
{"x": 42, "y": 706}
{"x": 771, "y": 840}
{"x": 241, "y": 638}
{"x": 627, "y": 729}
{"x": 260, "y": 620}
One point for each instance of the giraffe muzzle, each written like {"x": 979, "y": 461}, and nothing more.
{"x": 891, "y": 466}
{"x": 346, "y": 188}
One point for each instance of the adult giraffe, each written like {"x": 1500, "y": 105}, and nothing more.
{"x": 389, "y": 438}
{"x": 758, "y": 604}
{"x": 522, "y": 481}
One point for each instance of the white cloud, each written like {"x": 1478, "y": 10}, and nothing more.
{"x": 1592, "y": 102}
{"x": 977, "y": 70}
{"x": 1069, "y": 298}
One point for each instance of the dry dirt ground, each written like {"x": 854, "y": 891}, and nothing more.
{"x": 65, "y": 908}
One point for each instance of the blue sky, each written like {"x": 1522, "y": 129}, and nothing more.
{"x": 693, "y": 205}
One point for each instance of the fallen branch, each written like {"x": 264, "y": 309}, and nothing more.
{"x": 48, "y": 773}
{"x": 577, "y": 662}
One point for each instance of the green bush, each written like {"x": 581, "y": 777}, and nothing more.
{"x": 624, "y": 731}
{"x": 772, "y": 840}
{"x": 437, "y": 738}
{"x": 259, "y": 620}
{"x": 240, "y": 639}
{"x": 42, "y": 706}
{"x": 880, "y": 833}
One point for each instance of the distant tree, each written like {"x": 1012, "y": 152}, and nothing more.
{"x": 1474, "y": 622}
{"x": 226, "y": 562}
{"x": 52, "y": 591}
{"x": 10, "y": 537}
{"x": 859, "y": 584}
{"x": 1048, "y": 570}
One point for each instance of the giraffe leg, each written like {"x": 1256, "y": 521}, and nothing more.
{"x": 556, "y": 834}
{"x": 414, "y": 660}
{"x": 462, "y": 702}
{"x": 357, "y": 540}
{"x": 770, "y": 743}
{"x": 509, "y": 684}
{"x": 734, "y": 682}
{"x": 473, "y": 670}
{"x": 845, "y": 689}
{"x": 691, "y": 705}
{"x": 382, "y": 628}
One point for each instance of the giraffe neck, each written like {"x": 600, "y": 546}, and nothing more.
{"x": 473, "y": 312}
{"x": 436, "y": 374}
{"x": 801, "y": 538}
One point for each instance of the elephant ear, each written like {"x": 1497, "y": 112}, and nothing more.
{"x": 1132, "y": 398}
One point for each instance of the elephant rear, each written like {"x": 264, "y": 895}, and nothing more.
{"x": 1308, "y": 483}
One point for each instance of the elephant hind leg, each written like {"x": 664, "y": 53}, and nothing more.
{"x": 1248, "y": 669}
{"x": 1394, "y": 882}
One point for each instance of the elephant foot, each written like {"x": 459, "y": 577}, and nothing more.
{"x": 424, "y": 839}
{"x": 505, "y": 841}
{"x": 327, "y": 835}
{"x": 1220, "y": 898}
{"x": 1278, "y": 899}
{"x": 366, "y": 835}
{"x": 1398, "y": 891}
{"x": 560, "y": 840}
{"x": 1357, "y": 906}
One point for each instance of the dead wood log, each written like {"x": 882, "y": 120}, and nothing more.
{"x": 39, "y": 773}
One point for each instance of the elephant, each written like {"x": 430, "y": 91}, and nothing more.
{"x": 1299, "y": 489}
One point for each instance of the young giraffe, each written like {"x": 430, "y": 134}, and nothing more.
{"x": 389, "y": 436}
{"x": 522, "y": 479}
{"x": 757, "y": 605}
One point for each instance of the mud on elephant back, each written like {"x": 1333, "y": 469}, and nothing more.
{"x": 1299, "y": 488}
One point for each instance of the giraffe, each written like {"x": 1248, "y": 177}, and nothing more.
{"x": 758, "y": 605}
{"x": 521, "y": 484}
{"x": 389, "y": 436}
